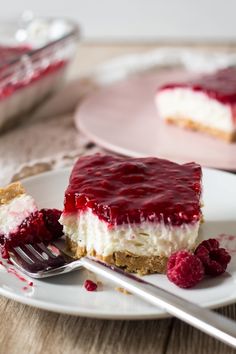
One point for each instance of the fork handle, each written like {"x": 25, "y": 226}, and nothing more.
{"x": 208, "y": 321}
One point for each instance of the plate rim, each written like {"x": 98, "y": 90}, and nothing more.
{"x": 43, "y": 305}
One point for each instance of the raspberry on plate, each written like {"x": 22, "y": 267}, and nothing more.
{"x": 184, "y": 269}
{"x": 214, "y": 258}
{"x": 90, "y": 285}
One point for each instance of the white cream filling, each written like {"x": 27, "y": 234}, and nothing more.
{"x": 13, "y": 213}
{"x": 199, "y": 107}
{"x": 146, "y": 239}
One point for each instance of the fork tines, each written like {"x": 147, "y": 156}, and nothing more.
{"x": 37, "y": 257}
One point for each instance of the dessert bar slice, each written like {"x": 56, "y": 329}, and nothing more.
{"x": 206, "y": 104}
{"x": 132, "y": 212}
{"x": 21, "y": 222}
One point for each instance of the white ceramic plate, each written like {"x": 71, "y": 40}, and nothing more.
{"x": 123, "y": 118}
{"x": 66, "y": 294}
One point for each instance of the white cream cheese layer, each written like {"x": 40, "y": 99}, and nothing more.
{"x": 147, "y": 239}
{"x": 12, "y": 214}
{"x": 186, "y": 103}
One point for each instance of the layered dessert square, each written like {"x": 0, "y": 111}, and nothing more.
{"x": 132, "y": 212}
{"x": 207, "y": 103}
{"x": 21, "y": 222}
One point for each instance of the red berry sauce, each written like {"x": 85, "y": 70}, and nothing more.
{"x": 38, "y": 227}
{"x": 51, "y": 217}
{"x": 122, "y": 190}
{"x": 220, "y": 85}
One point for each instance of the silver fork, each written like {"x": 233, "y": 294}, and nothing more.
{"x": 41, "y": 261}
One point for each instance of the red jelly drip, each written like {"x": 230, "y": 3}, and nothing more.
{"x": 132, "y": 190}
{"x": 220, "y": 85}
{"x": 14, "y": 272}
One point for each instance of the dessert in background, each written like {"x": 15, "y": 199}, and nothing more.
{"x": 32, "y": 67}
{"x": 24, "y": 83}
{"x": 21, "y": 222}
{"x": 132, "y": 212}
{"x": 206, "y": 104}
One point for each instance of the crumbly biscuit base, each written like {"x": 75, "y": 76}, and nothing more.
{"x": 128, "y": 261}
{"x": 10, "y": 192}
{"x": 190, "y": 124}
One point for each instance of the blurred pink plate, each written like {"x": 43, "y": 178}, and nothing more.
{"x": 122, "y": 118}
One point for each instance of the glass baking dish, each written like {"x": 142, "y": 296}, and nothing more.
{"x": 34, "y": 55}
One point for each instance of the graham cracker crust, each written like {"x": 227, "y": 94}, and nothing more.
{"x": 10, "y": 192}
{"x": 131, "y": 263}
{"x": 189, "y": 124}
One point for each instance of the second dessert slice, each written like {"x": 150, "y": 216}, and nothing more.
{"x": 206, "y": 104}
{"x": 132, "y": 212}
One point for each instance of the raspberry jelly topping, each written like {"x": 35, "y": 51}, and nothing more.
{"x": 31, "y": 230}
{"x": 122, "y": 190}
{"x": 220, "y": 85}
{"x": 40, "y": 226}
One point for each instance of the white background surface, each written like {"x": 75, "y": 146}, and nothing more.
{"x": 140, "y": 19}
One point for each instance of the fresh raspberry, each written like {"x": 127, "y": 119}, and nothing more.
{"x": 90, "y": 285}
{"x": 51, "y": 217}
{"x": 214, "y": 258}
{"x": 184, "y": 269}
